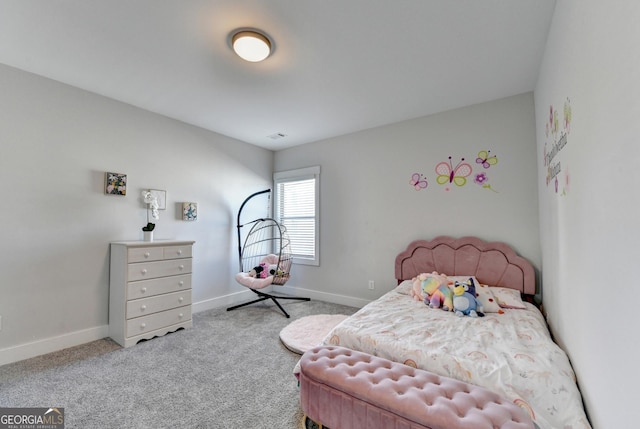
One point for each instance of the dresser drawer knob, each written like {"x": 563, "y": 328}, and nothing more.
{"x": 143, "y": 272}
{"x": 180, "y": 316}
{"x": 181, "y": 283}
{"x": 143, "y": 307}
{"x": 181, "y": 267}
{"x": 179, "y": 252}
{"x": 143, "y": 290}
{"x": 147, "y": 254}
{"x": 180, "y": 299}
{"x": 143, "y": 325}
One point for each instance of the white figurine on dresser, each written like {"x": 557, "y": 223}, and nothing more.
{"x": 149, "y": 289}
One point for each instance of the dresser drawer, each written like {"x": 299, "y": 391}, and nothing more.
{"x": 175, "y": 252}
{"x": 154, "y": 304}
{"x": 141, "y": 254}
{"x": 150, "y": 270}
{"x": 140, "y": 325}
{"x": 145, "y": 288}
{"x": 158, "y": 253}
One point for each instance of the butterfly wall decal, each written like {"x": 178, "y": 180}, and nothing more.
{"x": 418, "y": 181}
{"x": 447, "y": 173}
{"x": 485, "y": 159}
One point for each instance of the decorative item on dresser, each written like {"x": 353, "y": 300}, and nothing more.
{"x": 153, "y": 205}
{"x": 149, "y": 289}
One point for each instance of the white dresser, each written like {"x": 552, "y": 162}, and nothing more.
{"x": 149, "y": 289}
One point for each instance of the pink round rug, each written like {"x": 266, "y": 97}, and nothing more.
{"x": 309, "y": 331}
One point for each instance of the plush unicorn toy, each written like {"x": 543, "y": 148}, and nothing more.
{"x": 416, "y": 287}
{"x": 437, "y": 292}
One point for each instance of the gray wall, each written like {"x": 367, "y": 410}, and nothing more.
{"x": 57, "y": 222}
{"x": 57, "y": 142}
{"x": 589, "y": 227}
{"x": 370, "y": 211}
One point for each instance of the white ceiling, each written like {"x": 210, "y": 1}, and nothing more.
{"x": 339, "y": 66}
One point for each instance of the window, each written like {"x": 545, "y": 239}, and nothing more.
{"x": 296, "y": 207}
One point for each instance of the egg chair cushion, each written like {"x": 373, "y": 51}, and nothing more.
{"x": 252, "y": 282}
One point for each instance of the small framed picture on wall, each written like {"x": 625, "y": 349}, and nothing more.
{"x": 189, "y": 211}
{"x": 115, "y": 183}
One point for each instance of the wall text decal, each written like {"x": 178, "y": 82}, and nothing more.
{"x": 556, "y": 141}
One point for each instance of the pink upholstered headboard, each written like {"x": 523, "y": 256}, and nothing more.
{"x": 493, "y": 263}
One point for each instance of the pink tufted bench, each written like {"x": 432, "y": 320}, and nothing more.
{"x": 346, "y": 389}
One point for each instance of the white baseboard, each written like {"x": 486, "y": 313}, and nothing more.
{"x": 324, "y": 296}
{"x": 60, "y": 342}
{"x": 222, "y": 301}
{"x": 53, "y": 344}
{"x": 239, "y": 297}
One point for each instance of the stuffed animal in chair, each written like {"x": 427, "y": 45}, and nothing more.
{"x": 465, "y": 302}
{"x": 437, "y": 293}
{"x": 260, "y": 272}
{"x": 274, "y": 270}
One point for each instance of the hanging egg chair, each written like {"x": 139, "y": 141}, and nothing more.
{"x": 265, "y": 258}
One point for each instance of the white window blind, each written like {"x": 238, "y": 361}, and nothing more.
{"x": 296, "y": 207}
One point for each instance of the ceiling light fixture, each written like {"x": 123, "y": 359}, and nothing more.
{"x": 251, "y": 45}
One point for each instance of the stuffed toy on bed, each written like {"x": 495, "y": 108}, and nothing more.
{"x": 416, "y": 287}
{"x": 436, "y": 291}
{"x": 465, "y": 302}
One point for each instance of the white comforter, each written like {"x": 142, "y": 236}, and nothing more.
{"x": 511, "y": 354}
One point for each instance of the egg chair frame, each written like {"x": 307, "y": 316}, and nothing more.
{"x": 265, "y": 248}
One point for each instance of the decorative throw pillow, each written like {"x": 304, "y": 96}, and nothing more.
{"x": 483, "y": 293}
{"x": 507, "y": 298}
{"x": 488, "y": 301}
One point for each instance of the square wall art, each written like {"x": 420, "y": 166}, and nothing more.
{"x": 115, "y": 183}
{"x": 189, "y": 211}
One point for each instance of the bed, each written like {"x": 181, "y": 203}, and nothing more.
{"x": 509, "y": 351}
